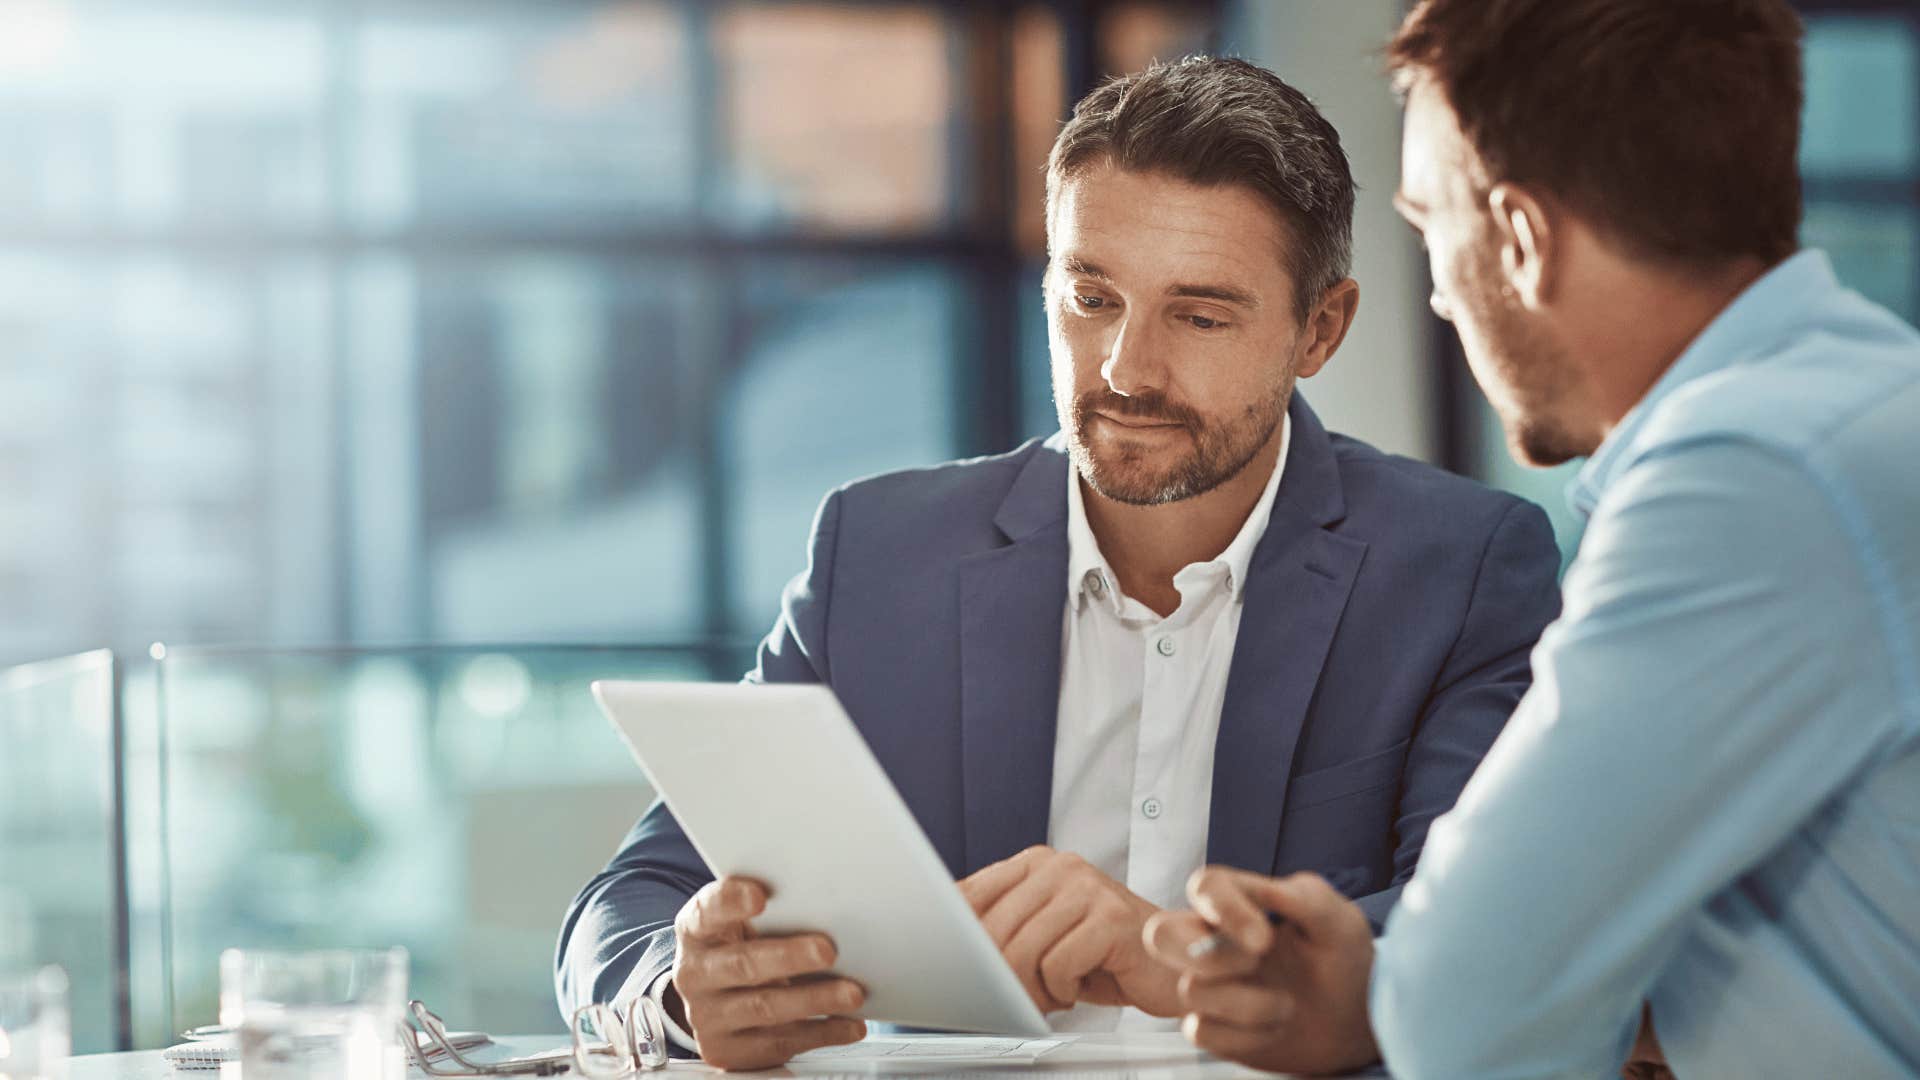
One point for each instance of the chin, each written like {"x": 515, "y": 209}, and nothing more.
{"x": 1131, "y": 474}
{"x": 1536, "y": 455}
{"x": 1132, "y": 482}
{"x": 1542, "y": 445}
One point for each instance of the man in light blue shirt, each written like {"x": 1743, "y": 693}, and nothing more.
{"x": 1696, "y": 846}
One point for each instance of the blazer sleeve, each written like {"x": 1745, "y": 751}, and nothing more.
{"x": 617, "y": 938}
{"x": 1516, "y": 593}
{"x": 796, "y": 649}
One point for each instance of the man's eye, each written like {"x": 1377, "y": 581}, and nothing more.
{"x": 1090, "y": 303}
{"x": 1201, "y": 322}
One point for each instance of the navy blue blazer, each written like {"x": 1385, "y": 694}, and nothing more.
{"x": 1389, "y": 611}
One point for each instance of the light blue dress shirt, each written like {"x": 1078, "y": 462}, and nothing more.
{"x": 1711, "y": 797}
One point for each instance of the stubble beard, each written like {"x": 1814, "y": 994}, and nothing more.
{"x": 1129, "y": 472}
{"x": 1535, "y": 378}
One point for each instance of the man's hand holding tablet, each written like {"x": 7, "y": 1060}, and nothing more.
{"x": 827, "y": 901}
{"x": 753, "y": 1002}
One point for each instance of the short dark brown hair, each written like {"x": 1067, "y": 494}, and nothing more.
{"x": 1672, "y": 125}
{"x": 1210, "y": 121}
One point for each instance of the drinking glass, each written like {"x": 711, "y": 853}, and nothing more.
{"x": 331, "y": 1014}
{"x": 35, "y": 1027}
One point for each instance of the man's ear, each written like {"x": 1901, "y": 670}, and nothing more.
{"x": 1527, "y": 243}
{"x": 1327, "y": 326}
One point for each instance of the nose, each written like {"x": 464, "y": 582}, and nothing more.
{"x": 1130, "y": 367}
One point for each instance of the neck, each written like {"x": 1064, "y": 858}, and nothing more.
{"x": 1147, "y": 545}
{"x": 1664, "y": 312}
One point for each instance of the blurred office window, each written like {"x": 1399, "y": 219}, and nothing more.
{"x": 1039, "y": 416}
{"x": 1860, "y": 164}
{"x": 1861, "y": 151}
{"x": 512, "y": 114}
{"x": 1135, "y": 33}
{"x": 561, "y": 498}
{"x": 825, "y": 343}
{"x": 1863, "y": 96}
{"x": 508, "y": 319}
{"x": 870, "y": 149}
{"x": 1037, "y": 93}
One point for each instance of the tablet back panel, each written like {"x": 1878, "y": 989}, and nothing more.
{"x": 775, "y": 783}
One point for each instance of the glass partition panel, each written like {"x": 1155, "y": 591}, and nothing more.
{"x": 59, "y": 844}
{"x": 449, "y": 800}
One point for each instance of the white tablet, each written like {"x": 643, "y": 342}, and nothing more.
{"x": 776, "y": 784}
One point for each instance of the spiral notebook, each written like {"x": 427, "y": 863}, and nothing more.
{"x": 202, "y": 1053}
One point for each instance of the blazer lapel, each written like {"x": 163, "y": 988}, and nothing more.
{"x": 1297, "y": 588}
{"x": 1011, "y": 600}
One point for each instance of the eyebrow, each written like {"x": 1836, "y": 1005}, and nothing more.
{"x": 1225, "y": 294}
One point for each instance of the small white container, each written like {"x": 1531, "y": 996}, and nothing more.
{"x": 36, "y": 1027}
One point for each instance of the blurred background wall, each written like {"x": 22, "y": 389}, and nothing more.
{"x": 442, "y": 320}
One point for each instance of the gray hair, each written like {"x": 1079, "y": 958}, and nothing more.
{"x": 1212, "y": 120}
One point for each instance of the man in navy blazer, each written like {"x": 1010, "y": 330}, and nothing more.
{"x": 1192, "y": 628}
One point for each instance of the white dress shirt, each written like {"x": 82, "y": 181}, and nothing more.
{"x": 1140, "y": 700}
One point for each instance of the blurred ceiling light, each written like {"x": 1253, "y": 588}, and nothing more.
{"x": 34, "y": 35}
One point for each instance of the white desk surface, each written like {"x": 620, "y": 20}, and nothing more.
{"x": 1158, "y": 1056}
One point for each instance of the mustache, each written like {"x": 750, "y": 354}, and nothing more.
{"x": 1151, "y": 406}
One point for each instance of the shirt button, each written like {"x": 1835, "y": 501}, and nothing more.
{"x": 1151, "y": 808}
{"x": 1094, "y": 584}
{"x": 1164, "y": 646}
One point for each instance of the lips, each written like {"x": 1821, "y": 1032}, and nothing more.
{"x": 1138, "y": 424}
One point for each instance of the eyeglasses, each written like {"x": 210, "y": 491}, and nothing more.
{"x": 630, "y": 1040}
{"x": 608, "y": 1044}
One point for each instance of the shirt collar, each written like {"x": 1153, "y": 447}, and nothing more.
{"x": 1756, "y": 319}
{"x": 1086, "y": 565}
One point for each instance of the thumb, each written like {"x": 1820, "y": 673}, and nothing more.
{"x": 1304, "y": 899}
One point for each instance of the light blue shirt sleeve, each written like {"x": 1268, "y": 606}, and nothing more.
{"x": 1717, "y": 675}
